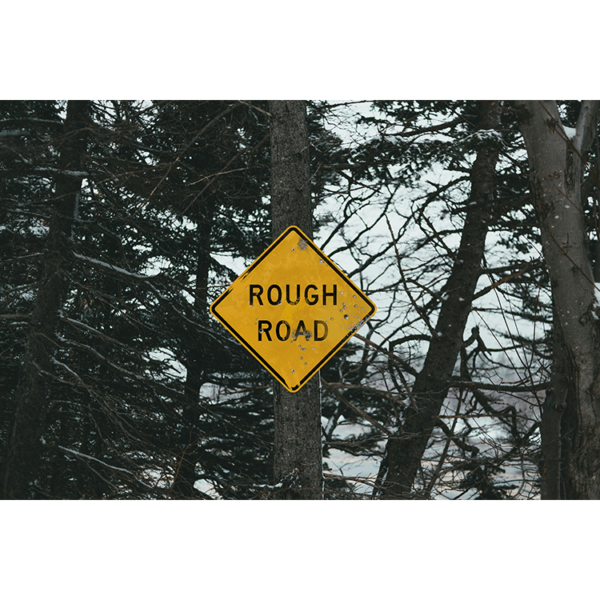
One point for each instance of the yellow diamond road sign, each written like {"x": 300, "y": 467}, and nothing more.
{"x": 293, "y": 308}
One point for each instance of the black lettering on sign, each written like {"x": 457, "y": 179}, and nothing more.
{"x": 319, "y": 338}
{"x": 314, "y": 298}
{"x": 257, "y": 293}
{"x": 332, "y": 294}
{"x": 278, "y": 290}
{"x": 287, "y": 335}
{"x": 283, "y": 330}
{"x": 301, "y": 330}
{"x": 264, "y": 327}
{"x": 287, "y": 294}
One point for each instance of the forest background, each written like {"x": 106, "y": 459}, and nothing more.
{"x": 495, "y": 531}
{"x": 123, "y": 221}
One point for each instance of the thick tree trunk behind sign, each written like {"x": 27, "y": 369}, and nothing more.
{"x": 26, "y": 436}
{"x": 571, "y": 423}
{"x": 298, "y": 460}
{"x": 405, "y": 451}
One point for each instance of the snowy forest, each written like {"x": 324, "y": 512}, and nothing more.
{"x": 474, "y": 226}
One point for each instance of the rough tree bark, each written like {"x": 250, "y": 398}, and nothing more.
{"x": 297, "y": 461}
{"x": 571, "y": 423}
{"x": 405, "y": 451}
{"x": 27, "y": 428}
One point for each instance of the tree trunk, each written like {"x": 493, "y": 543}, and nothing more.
{"x": 298, "y": 462}
{"x": 185, "y": 475}
{"x": 404, "y": 452}
{"x": 556, "y": 168}
{"x": 25, "y": 443}
{"x": 552, "y": 446}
